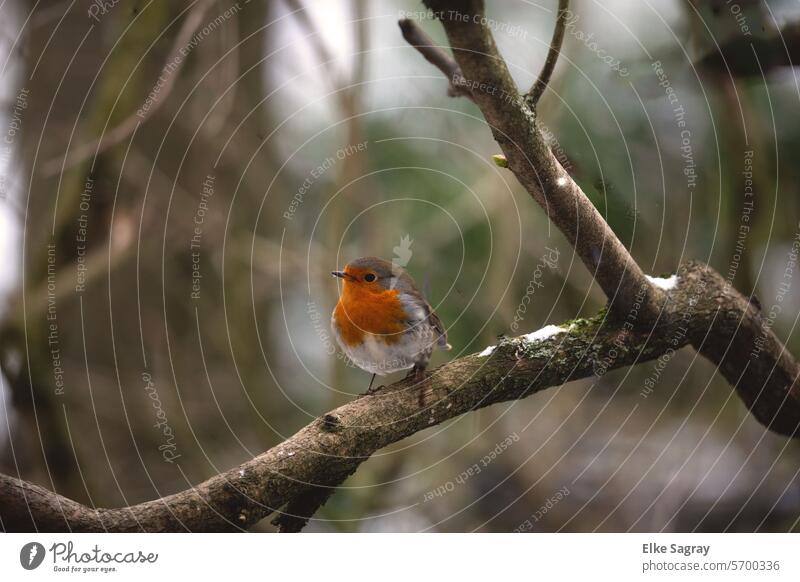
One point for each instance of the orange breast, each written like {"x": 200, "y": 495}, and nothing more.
{"x": 361, "y": 311}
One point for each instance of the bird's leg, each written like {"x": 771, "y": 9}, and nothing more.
{"x": 370, "y": 391}
{"x": 417, "y": 373}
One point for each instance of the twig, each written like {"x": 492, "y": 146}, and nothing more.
{"x": 436, "y": 56}
{"x": 225, "y": 81}
{"x": 552, "y": 56}
{"x": 324, "y": 54}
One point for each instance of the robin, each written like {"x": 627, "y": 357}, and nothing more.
{"x": 382, "y": 322}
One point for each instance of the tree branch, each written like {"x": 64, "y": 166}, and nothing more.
{"x": 701, "y": 310}
{"x": 514, "y": 127}
{"x": 436, "y": 56}
{"x": 553, "y": 53}
{"x": 324, "y": 54}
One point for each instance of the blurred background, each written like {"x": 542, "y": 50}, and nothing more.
{"x": 178, "y": 179}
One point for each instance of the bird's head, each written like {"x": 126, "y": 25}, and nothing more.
{"x": 369, "y": 274}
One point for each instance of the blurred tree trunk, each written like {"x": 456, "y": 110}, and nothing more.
{"x": 66, "y": 103}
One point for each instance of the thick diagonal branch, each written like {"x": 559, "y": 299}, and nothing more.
{"x": 702, "y": 310}
{"x": 514, "y": 127}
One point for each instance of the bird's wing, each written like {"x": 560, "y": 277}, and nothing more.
{"x": 437, "y": 324}
{"x": 419, "y": 311}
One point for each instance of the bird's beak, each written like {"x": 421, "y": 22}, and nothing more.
{"x": 341, "y": 274}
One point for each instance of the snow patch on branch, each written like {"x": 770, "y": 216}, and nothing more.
{"x": 665, "y": 284}
{"x": 539, "y": 335}
{"x": 546, "y": 332}
{"x": 487, "y": 352}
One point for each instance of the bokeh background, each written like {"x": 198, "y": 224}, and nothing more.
{"x": 179, "y": 179}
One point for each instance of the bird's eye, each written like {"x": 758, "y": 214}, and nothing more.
{"x": 369, "y": 277}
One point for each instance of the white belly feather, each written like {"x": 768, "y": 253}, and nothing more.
{"x": 376, "y": 356}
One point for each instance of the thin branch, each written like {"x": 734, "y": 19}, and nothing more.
{"x": 324, "y": 54}
{"x": 552, "y": 56}
{"x": 173, "y": 66}
{"x": 227, "y": 67}
{"x": 300, "y": 473}
{"x": 361, "y": 34}
{"x": 436, "y": 56}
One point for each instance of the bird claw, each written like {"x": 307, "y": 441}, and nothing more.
{"x": 372, "y": 390}
{"x": 417, "y": 374}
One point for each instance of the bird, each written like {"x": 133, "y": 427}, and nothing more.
{"x": 382, "y": 321}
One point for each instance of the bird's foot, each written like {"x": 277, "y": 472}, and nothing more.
{"x": 417, "y": 374}
{"x": 372, "y": 390}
